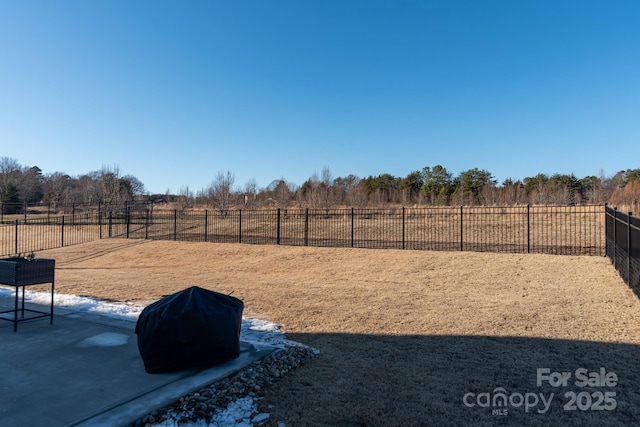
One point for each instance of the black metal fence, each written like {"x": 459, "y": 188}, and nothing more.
{"x": 24, "y": 236}
{"x": 623, "y": 245}
{"x": 10, "y": 211}
{"x": 567, "y": 230}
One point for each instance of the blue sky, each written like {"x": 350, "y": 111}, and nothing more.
{"x": 175, "y": 92}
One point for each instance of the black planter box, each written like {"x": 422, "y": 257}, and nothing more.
{"x": 25, "y": 272}
{"x": 21, "y": 272}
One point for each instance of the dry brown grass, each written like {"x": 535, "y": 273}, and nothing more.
{"x": 403, "y": 334}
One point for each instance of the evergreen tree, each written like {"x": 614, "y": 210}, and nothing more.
{"x": 469, "y": 185}
{"x": 11, "y": 202}
{"x": 412, "y": 184}
{"x": 437, "y": 184}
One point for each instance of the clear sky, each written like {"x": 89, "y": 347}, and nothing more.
{"x": 174, "y": 92}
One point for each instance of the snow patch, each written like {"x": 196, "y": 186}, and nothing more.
{"x": 261, "y": 333}
{"x": 260, "y": 417}
{"x": 106, "y": 339}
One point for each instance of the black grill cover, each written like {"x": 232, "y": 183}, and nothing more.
{"x": 192, "y": 328}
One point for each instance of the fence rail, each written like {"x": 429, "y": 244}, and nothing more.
{"x": 623, "y": 245}
{"x": 567, "y": 230}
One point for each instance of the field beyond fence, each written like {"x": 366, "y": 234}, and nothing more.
{"x": 563, "y": 230}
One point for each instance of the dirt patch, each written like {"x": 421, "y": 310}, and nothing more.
{"x": 404, "y": 335}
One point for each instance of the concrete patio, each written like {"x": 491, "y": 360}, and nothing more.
{"x": 85, "y": 370}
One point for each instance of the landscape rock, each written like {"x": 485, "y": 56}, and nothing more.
{"x": 203, "y": 404}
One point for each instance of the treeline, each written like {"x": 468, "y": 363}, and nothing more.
{"x": 433, "y": 185}
{"x": 20, "y": 185}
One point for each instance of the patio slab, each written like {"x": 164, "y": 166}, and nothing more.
{"x": 85, "y": 370}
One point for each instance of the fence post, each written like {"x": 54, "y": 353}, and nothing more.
{"x": 461, "y": 230}
{"x": 306, "y": 227}
{"x": 403, "y": 227}
{"x": 175, "y": 224}
{"x": 615, "y": 236}
{"x": 629, "y": 247}
{"x": 62, "y": 233}
{"x": 606, "y": 231}
{"x": 240, "y": 226}
{"x": 206, "y": 224}
{"x": 16, "y": 241}
{"x": 528, "y": 228}
{"x": 146, "y": 224}
{"x": 110, "y": 224}
{"x": 127, "y": 213}
{"x": 352, "y": 227}
{"x": 99, "y": 221}
{"x": 278, "y": 228}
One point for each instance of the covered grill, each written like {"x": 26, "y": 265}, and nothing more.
{"x": 193, "y": 328}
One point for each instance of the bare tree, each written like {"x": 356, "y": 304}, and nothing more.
{"x": 539, "y": 195}
{"x": 512, "y": 193}
{"x": 55, "y": 187}
{"x": 357, "y": 196}
{"x": 109, "y": 188}
{"x": 30, "y": 184}
{"x": 312, "y": 190}
{"x": 133, "y": 185}
{"x": 185, "y": 198}
{"x": 318, "y": 191}
{"x": 281, "y": 192}
{"x": 88, "y": 189}
{"x": 490, "y": 194}
{"x": 250, "y": 193}
{"x": 343, "y": 188}
{"x": 109, "y": 185}
{"x": 326, "y": 188}
{"x": 598, "y": 189}
{"x": 221, "y": 190}
{"x": 560, "y": 194}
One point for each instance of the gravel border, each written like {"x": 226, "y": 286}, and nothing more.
{"x": 247, "y": 382}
